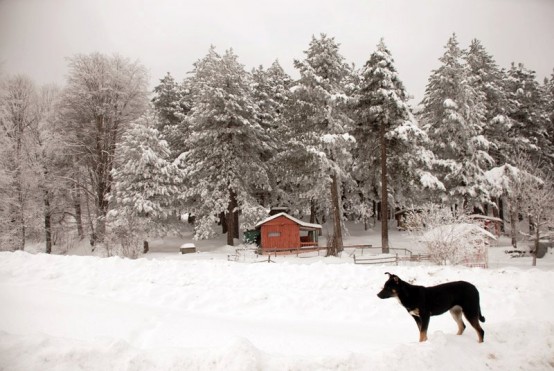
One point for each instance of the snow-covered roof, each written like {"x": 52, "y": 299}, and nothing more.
{"x": 297, "y": 221}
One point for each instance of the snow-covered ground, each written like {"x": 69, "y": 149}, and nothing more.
{"x": 201, "y": 312}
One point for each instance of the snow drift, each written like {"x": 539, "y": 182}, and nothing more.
{"x": 69, "y": 312}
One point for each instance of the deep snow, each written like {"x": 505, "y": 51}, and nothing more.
{"x": 202, "y": 312}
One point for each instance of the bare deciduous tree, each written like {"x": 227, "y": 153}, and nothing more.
{"x": 102, "y": 96}
{"x": 537, "y": 202}
{"x": 18, "y": 112}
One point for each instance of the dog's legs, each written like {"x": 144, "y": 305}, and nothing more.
{"x": 424, "y": 318}
{"x": 418, "y": 321}
{"x": 456, "y": 313}
{"x": 475, "y": 323}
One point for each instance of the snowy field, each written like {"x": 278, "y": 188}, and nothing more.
{"x": 202, "y": 312}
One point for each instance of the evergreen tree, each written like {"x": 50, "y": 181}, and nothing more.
{"x": 169, "y": 102}
{"x": 453, "y": 116}
{"x": 146, "y": 186}
{"x": 271, "y": 92}
{"x": 321, "y": 126}
{"x": 172, "y": 103}
{"x": 383, "y": 113}
{"x": 549, "y": 91}
{"x": 529, "y": 120}
{"x": 487, "y": 77}
{"x": 146, "y": 182}
{"x": 549, "y": 100}
{"x": 224, "y": 162}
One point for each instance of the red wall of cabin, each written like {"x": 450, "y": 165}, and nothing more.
{"x": 289, "y": 231}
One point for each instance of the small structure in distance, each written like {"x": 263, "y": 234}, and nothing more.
{"x": 282, "y": 233}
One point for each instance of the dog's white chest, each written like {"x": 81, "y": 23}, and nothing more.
{"x": 414, "y": 312}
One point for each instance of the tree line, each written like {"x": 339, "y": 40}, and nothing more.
{"x": 105, "y": 159}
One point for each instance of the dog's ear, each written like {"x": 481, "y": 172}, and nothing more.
{"x": 393, "y": 276}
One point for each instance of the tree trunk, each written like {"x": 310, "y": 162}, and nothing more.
{"x": 223, "y": 222}
{"x": 145, "y": 247}
{"x": 312, "y": 212}
{"x": 501, "y": 214}
{"x": 76, "y": 196}
{"x": 535, "y": 253}
{"x": 231, "y": 218}
{"x": 47, "y": 221}
{"x": 236, "y": 219}
{"x": 91, "y": 223}
{"x": 495, "y": 213}
{"x": 513, "y": 223}
{"x": 20, "y": 213}
{"x": 384, "y": 193}
{"x": 337, "y": 245}
{"x": 20, "y": 204}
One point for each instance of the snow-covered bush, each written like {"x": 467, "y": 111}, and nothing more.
{"x": 449, "y": 236}
{"x": 125, "y": 235}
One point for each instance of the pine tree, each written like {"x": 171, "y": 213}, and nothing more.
{"x": 453, "y": 116}
{"x": 487, "y": 77}
{"x": 145, "y": 181}
{"x": 224, "y": 162}
{"x": 321, "y": 125}
{"x": 147, "y": 185}
{"x": 529, "y": 130}
{"x": 383, "y": 113}
{"x": 271, "y": 92}
{"x": 172, "y": 103}
{"x": 549, "y": 101}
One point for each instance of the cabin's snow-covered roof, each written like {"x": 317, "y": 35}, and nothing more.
{"x": 297, "y": 221}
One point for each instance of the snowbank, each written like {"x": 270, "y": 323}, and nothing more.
{"x": 67, "y": 313}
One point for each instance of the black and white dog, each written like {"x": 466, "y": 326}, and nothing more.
{"x": 423, "y": 302}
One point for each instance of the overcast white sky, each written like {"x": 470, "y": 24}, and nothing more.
{"x": 169, "y": 35}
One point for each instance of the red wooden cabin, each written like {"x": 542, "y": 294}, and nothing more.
{"x": 284, "y": 232}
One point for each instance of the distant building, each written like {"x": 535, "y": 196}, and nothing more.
{"x": 284, "y": 232}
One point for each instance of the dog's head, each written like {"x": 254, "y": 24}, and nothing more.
{"x": 391, "y": 287}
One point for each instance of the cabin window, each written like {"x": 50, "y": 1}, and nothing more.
{"x": 274, "y": 234}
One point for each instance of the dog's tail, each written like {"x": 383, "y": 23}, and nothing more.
{"x": 481, "y": 318}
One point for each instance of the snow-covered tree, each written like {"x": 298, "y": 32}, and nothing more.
{"x": 31, "y": 166}
{"x": 453, "y": 116}
{"x": 146, "y": 183}
{"x": 172, "y": 103}
{"x": 103, "y": 95}
{"x": 46, "y": 154}
{"x": 537, "y": 201}
{"x": 224, "y": 163}
{"x": 529, "y": 119}
{"x": 485, "y": 76}
{"x": 383, "y": 113}
{"x": 321, "y": 126}
{"x": 169, "y": 102}
{"x": 271, "y": 92}
{"x": 549, "y": 101}
{"x": 18, "y": 114}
